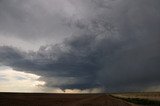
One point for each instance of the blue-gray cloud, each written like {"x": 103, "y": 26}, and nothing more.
{"x": 118, "y": 51}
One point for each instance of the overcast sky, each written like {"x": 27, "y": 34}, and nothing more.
{"x": 79, "y": 45}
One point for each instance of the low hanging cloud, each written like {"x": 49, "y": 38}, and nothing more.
{"x": 117, "y": 50}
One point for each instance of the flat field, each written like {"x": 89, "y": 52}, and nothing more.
{"x": 44, "y": 99}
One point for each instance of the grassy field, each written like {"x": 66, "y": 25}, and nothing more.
{"x": 42, "y": 99}
{"x": 143, "y": 98}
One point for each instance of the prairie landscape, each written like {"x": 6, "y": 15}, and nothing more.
{"x": 79, "y": 52}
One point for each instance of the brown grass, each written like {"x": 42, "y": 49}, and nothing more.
{"x": 143, "y": 95}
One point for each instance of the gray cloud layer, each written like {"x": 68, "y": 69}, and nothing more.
{"x": 115, "y": 45}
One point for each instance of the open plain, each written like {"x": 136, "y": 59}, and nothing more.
{"x": 45, "y": 99}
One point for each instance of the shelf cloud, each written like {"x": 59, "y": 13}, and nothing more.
{"x": 74, "y": 44}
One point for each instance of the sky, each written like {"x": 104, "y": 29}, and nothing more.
{"x": 79, "y": 46}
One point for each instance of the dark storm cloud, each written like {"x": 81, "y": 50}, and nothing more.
{"x": 44, "y": 22}
{"x": 38, "y": 22}
{"x": 118, "y": 52}
{"x": 30, "y": 19}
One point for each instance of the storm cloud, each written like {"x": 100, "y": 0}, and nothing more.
{"x": 109, "y": 44}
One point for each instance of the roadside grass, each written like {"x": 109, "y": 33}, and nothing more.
{"x": 140, "y": 101}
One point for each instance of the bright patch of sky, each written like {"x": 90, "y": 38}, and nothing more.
{"x": 16, "y": 81}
